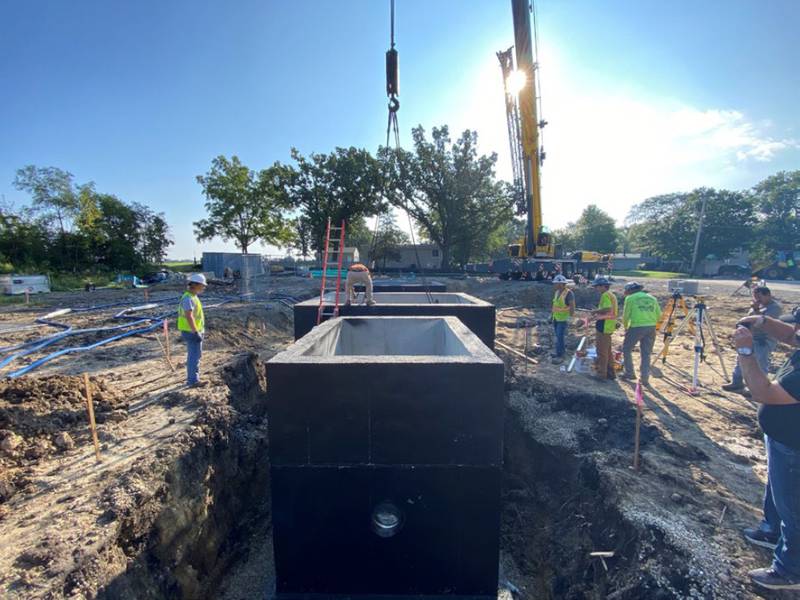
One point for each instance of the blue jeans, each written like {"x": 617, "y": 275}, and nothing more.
{"x": 194, "y": 350}
{"x": 782, "y": 506}
{"x": 561, "y": 332}
{"x": 761, "y": 350}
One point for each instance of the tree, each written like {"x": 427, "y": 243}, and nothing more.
{"x": 155, "y": 239}
{"x": 450, "y": 191}
{"x": 345, "y": 184}
{"x": 596, "y": 230}
{"x": 388, "y": 240}
{"x": 567, "y": 238}
{"x": 52, "y": 190}
{"x": 666, "y": 225}
{"x": 243, "y": 205}
{"x": 777, "y": 200}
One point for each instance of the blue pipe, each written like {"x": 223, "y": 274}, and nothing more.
{"x": 70, "y": 350}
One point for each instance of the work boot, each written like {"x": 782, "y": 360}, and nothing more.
{"x": 556, "y": 360}
{"x": 370, "y": 302}
{"x": 733, "y": 387}
{"x": 772, "y": 580}
{"x": 759, "y": 537}
{"x": 628, "y": 377}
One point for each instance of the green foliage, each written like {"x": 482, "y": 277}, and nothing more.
{"x": 73, "y": 228}
{"x": 594, "y": 230}
{"x": 345, "y": 184}
{"x": 243, "y": 205}
{"x": 450, "y": 192}
{"x": 388, "y": 240}
{"x": 666, "y": 225}
{"x": 777, "y": 200}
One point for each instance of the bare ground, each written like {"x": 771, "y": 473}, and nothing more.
{"x": 177, "y": 506}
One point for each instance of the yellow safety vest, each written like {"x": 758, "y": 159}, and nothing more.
{"x": 560, "y": 306}
{"x": 609, "y": 300}
{"x": 199, "y": 320}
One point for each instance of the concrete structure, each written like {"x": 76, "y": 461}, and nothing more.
{"x": 249, "y": 265}
{"x": 405, "y": 285}
{"x": 476, "y": 314}
{"x": 386, "y": 444}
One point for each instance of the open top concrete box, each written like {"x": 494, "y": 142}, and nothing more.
{"x": 386, "y": 445}
{"x": 476, "y": 314}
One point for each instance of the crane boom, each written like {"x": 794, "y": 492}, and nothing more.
{"x": 530, "y": 122}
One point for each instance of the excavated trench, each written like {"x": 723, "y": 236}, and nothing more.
{"x": 206, "y": 534}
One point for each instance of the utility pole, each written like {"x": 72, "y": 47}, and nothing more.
{"x": 699, "y": 232}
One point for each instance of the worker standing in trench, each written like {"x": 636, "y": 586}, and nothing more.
{"x": 563, "y": 309}
{"x": 606, "y": 315}
{"x": 779, "y": 418}
{"x": 192, "y": 326}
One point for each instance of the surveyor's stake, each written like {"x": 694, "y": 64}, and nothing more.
{"x": 90, "y": 408}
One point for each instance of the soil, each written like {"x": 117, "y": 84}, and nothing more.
{"x": 178, "y": 507}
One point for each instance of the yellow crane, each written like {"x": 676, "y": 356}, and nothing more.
{"x": 537, "y": 251}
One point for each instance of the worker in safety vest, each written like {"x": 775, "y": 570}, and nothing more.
{"x": 640, "y": 314}
{"x": 606, "y": 315}
{"x": 356, "y": 274}
{"x": 563, "y": 309}
{"x": 192, "y": 326}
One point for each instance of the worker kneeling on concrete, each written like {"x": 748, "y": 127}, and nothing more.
{"x": 606, "y": 315}
{"x": 191, "y": 324}
{"x": 563, "y": 309}
{"x": 358, "y": 274}
{"x": 640, "y": 314}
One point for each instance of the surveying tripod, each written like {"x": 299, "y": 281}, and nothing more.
{"x": 666, "y": 323}
{"x": 697, "y": 323}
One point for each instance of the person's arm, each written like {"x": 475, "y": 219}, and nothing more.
{"x": 658, "y": 311}
{"x": 571, "y": 304}
{"x": 626, "y": 313}
{"x": 190, "y": 318}
{"x": 774, "y": 328}
{"x": 763, "y": 390}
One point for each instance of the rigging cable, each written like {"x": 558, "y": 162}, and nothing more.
{"x": 392, "y": 91}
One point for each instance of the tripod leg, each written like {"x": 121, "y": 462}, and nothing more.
{"x": 716, "y": 346}
{"x": 665, "y": 350}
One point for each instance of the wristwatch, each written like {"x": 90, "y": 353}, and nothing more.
{"x": 745, "y": 351}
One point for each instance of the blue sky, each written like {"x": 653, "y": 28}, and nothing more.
{"x": 642, "y": 97}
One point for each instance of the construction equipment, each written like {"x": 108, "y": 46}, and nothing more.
{"x": 332, "y": 257}
{"x": 666, "y": 323}
{"x": 700, "y": 321}
{"x": 537, "y": 250}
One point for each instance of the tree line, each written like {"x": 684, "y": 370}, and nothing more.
{"x": 72, "y": 228}
{"x": 450, "y": 191}
{"x": 762, "y": 220}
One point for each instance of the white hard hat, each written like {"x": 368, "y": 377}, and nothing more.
{"x": 197, "y": 278}
{"x": 560, "y": 279}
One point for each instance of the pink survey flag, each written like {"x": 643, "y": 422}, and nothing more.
{"x": 639, "y": 397}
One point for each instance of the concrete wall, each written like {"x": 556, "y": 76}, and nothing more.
{"x": 476, "y": 314}
{"x": 413, "y": 435}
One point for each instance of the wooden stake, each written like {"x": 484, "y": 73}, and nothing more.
{"x": 90, "y": 407}
{"x": 146, "y": 294}
{"x": 166, "y": 341}
{"x": 166, "y": 354}
{"x": 27, "y": 297}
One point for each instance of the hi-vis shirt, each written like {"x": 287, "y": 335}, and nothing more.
{"x": 640, "y": 310}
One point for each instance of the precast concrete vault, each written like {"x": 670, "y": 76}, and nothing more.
{"x": 386, "y": 445}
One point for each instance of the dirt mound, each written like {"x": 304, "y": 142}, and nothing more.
{"x": 41, "y": 416}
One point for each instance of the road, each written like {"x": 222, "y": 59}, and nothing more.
{"x": 788, "y": 291}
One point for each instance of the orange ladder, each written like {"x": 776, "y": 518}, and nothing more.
{"x": 332, "y": 257}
